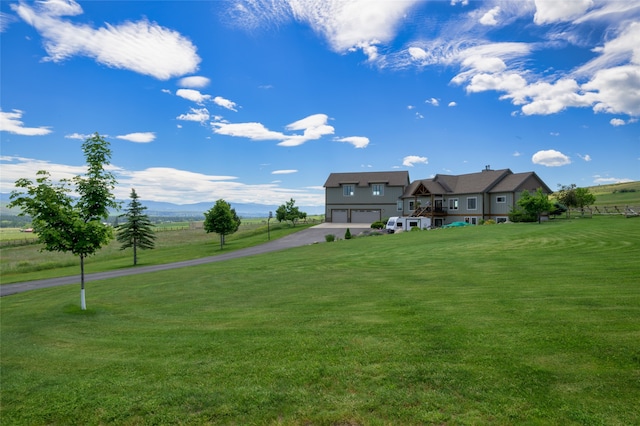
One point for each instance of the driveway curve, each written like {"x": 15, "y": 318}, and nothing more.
{"x": 313, "y": 235}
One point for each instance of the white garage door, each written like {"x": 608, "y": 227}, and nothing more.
{"x": 365, "y": 216}
{"x": 339, "y": 216}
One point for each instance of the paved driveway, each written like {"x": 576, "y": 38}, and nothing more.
{"x": 313, "y": 235}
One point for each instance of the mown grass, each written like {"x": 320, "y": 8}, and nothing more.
{"x": 28, "y": 262}
{"x": 501, "y": 324}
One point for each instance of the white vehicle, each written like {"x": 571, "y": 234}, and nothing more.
{"x": 399, "y": 223}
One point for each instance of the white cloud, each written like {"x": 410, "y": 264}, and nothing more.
{"x": 517, "y": 154}
{"x": 432, "y": 101}
{"x": 356, "y": 141}
{"x": 11, "y": 122}
{"x": 314, "y": 127}
{"x": 193, "y": 95}
{"x": 346, "y": 25}
{"x": 225, "y": 103}
{"x": 143, "y": 47}
{"x": 165, "y": 184}
{"x": 253, "y": 131}
{"x": 599, "y": 180}
{"x": 195, "y": 114}
{"x": 139, "y": 137}
{"x": 617, "y": 122}
{"x": 283, "y": 172}
{"x": 550, "y": 158}
{"x": 490, "y": 17}
{"x": 14, "y": 168}
{"x": 550, "y": 11}
{"x": 586, "y": 157}
{"x": 194, "y": 82}
{"x": 554, "y": 134}
{"x": 452, "y": 104}
{"x": 412, "y": 160}
{"x": 79, "y": 136}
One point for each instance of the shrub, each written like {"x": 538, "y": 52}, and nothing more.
{"x": 347, "y": 235}
{"x": 329, "y": 238}
{"x": 489, "y": 222}
{"x": 378, "y": 225}
{"x": 519, "y": 215}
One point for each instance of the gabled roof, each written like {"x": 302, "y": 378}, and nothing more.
{"x": 472, "y": 183}
{"x": 398, "y": 178}
{"x": 519, "y": 181}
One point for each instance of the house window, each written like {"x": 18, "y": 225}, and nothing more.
{"x": 501, "y": 199}
{"x": 412, "y": 205}
{"x": 453, "y": 204}
{"x": 472, "y": 203}
{"x": 399, "y": 206}
{"x": 347, "y": 190}
{"x": 377, "y": 189}
{"x": 502, "y": 219}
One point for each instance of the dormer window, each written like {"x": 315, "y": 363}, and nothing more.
{"x": 347, "y": 190}
{"x": 377, "y": 189}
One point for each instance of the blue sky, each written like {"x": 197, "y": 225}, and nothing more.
{"x": 258, "y": 101}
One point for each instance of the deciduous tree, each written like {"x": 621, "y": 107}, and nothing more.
{"x": 222, "y": 220}
{"x": 137, "y": 231}
{"x": 535, "y": 204}
{"x": 72, "y": 224}
{"x": 289, "y": 212}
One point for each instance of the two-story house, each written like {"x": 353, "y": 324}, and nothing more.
{"x": 370, "y": 196}
{"x": 364, "y": 197}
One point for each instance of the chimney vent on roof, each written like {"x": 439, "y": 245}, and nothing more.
{"x": 487, "y": 168}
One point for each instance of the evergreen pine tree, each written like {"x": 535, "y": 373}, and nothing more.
{"x": 137, "y": 231}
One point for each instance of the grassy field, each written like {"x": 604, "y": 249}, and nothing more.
{"x": 501, "y": 324}
{"x": 174, "y": 243}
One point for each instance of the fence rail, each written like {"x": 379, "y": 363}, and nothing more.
{"x": 627, "y": 211}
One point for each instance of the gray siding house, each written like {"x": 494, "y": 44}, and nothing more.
{"x": 364, "y": 197}
{"x": 368, "y": 197}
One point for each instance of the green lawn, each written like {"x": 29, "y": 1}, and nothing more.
{"x": 28, "y": 262}
{"x": 501, "y": 324}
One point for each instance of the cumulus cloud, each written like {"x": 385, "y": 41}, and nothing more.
{"x": 313, "y": 127}
{"x": 195, "y": 114}
{"x": 412, "y": 160}
{"x": 586, "y": 157}
{"x": 139, "y": 137}
{"x": 432, "y": 101}
{"x": 143, "y": 47}
{"x": 11, "y": 122}
{"x": 550, "y": 158}
{"x": 356, "y": 141}
{"x": 490, "y": 17}
{"x": 225, "y": 103}
{"x": 452, "y": 104}
{"x": 617, "y": 122}
{"x": 193, "y": 95}
{"x": 194, "y": 82}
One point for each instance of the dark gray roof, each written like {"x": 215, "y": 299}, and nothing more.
{"x": 400, "y": 178}
{"x": 519, "y": 181}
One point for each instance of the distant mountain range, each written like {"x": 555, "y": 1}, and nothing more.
{"x": 155, "y": 208}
